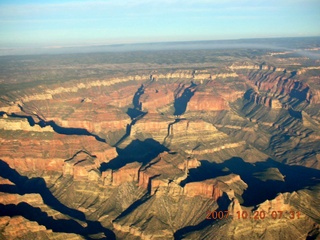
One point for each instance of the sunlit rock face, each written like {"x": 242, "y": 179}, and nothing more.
{"x": 206, "y": 101}
{"x": 144, "y": 150}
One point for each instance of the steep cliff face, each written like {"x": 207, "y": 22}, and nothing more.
{"x": 74, "y": 88}
{"x": 257, "y": 99}
{"x": 82, "y": 166}
{"x": 128, "y": 173}
{"x": 215, "y": 188}
{"x": 152, "y": 124}
{"x": 157, "y": 95}
{"x": 206, "y": 101}
{"x": 178, "y": 74}
{"x": 162, "y": 170}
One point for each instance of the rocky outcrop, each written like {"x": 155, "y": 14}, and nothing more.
{"x": 179, "y": 74}
{"x": 95, "y": 127}
{"x": 33, "y": 199}
{"x": 151, "y": 124}
{"x": 281, "y": 84}
{"x": 167, "y": 207}
{"x": 207, "y": 188}
{"x": 128, "y": 173}
{"x": 224, "y": 75}
{"x": 207, "y": 101}
{"x": 12, "y": 108}
{"x": 13, "y": 124}
{"x": 79, "y": 86}
{"x": 280, "y": 203}
{"x": 197, "y": 136}
{"x": 246, "y": 66}
{"x": 82, "y": 166}
{"x": 162, "y": 170}
{"x": 217, "y": 149}
{"x": 256, "y": 98}
{"x": 231, "y": 184}
{"x": 305, "y": 69}
{"x": 157, "y": 96}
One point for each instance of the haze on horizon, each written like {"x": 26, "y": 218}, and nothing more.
{"x": 63, "y": 23}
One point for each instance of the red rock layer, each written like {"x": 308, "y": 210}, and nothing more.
{"x": 48, "y": 151}
{"x": 208, "y": 188}
{"x": 128, "y": 173}
{"x": 204, "y": 101}
{"x": 280, "y": 84}
{"x": 156, "y": 96}
{"x": 166, "y": 167}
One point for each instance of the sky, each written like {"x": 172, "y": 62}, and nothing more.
{"x": 49, "y": 23}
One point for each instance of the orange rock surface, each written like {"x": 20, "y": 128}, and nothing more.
{"x": 161, "y": 170}
{"x": 207, "y": 188}
{"x": 205, "y": 101}
{"x": 128, "y": 173}
{"x": 47, "y": 151}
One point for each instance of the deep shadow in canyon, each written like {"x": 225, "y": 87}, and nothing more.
{"x": 295, "y": 177}
{"x": 134, "y": 113}
{"x": 24, "y": 185}
{"x": 136, "y": 98}
{"x": 137, "y": 151}
{"x": 167, "y": 140}
{"x": 180, "y": 103}
{"x": 205, "y": 171}
{"x": 138, "y": 115}
{"x": 58, "y": 129}
{"x": 56, "y": 225}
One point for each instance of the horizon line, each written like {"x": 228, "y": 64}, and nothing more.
{"x": 150, "y": 42}
{"x": 257, "y": 42}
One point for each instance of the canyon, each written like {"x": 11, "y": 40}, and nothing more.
{"x": 142, "y": 150}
